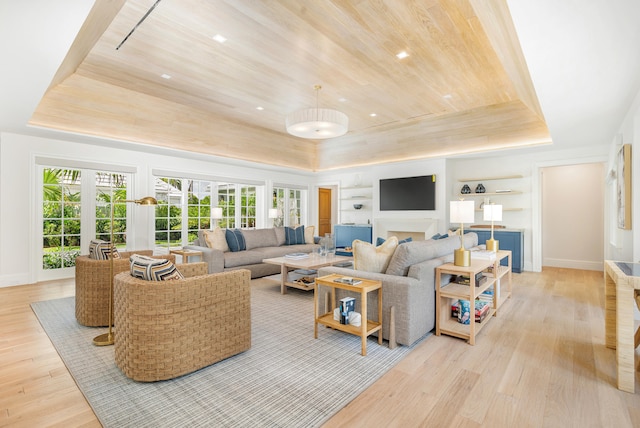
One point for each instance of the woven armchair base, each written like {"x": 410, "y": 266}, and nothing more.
{"x": 92, "y": 287}
{"x": 165, "y": 329}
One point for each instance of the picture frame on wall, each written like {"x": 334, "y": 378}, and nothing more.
{"x": 623, "y": 186}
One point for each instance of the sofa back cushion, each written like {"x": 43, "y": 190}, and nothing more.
{"x": 280, "y": 235}
{"x": 414, "y": 252}
{"x": 235, "y": 240}
{"x": 216, "y": 239}
{"x": 294, "y": 236}
{"x": 369, "y": 258}
{"x": 257, "y": 238}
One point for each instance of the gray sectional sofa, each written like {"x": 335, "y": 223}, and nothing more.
{"x": 260, "y": 244}
{"x": 408, "y": 285}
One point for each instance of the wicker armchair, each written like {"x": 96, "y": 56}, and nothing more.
{"x": 92, "y": 286}
{"x": 165, "y": 329}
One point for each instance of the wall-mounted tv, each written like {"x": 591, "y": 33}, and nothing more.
{"x": 408, "y": 193}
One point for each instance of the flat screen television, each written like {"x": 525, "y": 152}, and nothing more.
{"x": 408, "y": 193}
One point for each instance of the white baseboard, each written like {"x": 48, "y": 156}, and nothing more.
{"x": 573, "y": 264}
{"x": 13, "y": 280}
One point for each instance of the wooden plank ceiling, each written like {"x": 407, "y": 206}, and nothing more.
{"x": 463, "y": 88}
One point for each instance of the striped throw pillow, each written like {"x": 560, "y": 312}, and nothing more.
{"x": 151, "y": 269}
{"x": 101, "y": 250}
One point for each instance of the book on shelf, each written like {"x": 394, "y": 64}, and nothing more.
{"x": 296, "y": 256}
{"x": 483, "y": 254}
{"x": 464, "y": 280}
{"x": 481, "y": 310}
{"x": 348, "y": 280}
{"x": 347, "y": 305}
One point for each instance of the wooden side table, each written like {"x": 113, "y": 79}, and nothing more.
{"x": 367, "y": 326}
{"x": 186, "y": 254}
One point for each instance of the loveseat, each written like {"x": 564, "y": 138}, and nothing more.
{"x": 408, "y": 285}
{"x": 260, "y": 244}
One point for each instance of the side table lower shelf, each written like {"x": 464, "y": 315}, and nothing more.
{"x": 367, "y": 326}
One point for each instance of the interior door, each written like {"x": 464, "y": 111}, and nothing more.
{"x": 324, "y": 211}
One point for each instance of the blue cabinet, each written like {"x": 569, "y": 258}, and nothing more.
{"x": 512, "y": 240}
{"x": 346, "y": 233}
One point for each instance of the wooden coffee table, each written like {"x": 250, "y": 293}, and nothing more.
{"x": 314, "y": 261}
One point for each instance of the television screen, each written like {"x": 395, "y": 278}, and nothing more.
{"x": 408, "y": 193}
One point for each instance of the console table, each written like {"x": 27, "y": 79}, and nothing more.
{"x": 621, "y": 279}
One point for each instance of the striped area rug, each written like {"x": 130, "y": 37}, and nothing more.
{"x": 286, "y": 379}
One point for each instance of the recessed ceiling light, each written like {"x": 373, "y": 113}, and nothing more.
{"x": 259, "y": 108}
{"x": 220, "y": 39}
{"x": 373, "y": 115}
{"x": 342, "y": 99}
{"x": 447, "y": 96}
{"x": 165, "y": 76}
{"x": 402, "y": 55}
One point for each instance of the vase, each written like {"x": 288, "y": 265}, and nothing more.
{"x": 327, "y": 245}
{"x": 465, "y": 189}
{"x": 480, "y": 188}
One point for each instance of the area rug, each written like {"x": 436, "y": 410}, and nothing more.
{"x": 286, "y": 379}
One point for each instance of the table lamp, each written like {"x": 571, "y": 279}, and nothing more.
{"x": 461, "y": 212}
{"x": 216, "y": 214}
{"x": 273, "y": 214}
{"x": 493, "y": 213}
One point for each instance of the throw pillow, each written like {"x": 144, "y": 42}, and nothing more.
{"x": 380, "y": 241}
{"x": 294, "y": 236}
{"x": 101, "y": 250}
{"x": 368, "y": 258}
{"x": 216, "y": 239}
{"x": 308, "y": 234}
{"x": 235, "y": 240}
{"x": 151, "y": 269}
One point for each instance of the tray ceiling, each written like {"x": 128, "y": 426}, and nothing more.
{"x": 464, "y": 87}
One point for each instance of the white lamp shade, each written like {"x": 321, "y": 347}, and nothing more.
{"x": 273, "y": 213}
{"x": 317, "y": 123}
{"x": 216, "y": 213}
{"x": 492, "y": 212}
{"x": 461, "y": 211}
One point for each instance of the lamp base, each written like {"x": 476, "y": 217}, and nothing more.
{"x": 462, "y": 257}
{"x": 103, "y": 340}
{"x": 493, "y": 245}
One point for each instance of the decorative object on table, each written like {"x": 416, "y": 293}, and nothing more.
{"x": 480, "y": 188}
{"x": 465, "y": 189}
{"x": 273, "y": 214}
{"x": 327, "y": 245}
{"x": 355, "y": 319}
{"x": 461, "y": 212}
{"x": 107, "y": 338}
{"x": 492, "y": 213}
{"x": 357, "y": 206}
{"x": 317, "y": 123}
{"x": 347, "y": 305}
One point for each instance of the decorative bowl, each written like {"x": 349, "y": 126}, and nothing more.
{"x": 357, "y": 206}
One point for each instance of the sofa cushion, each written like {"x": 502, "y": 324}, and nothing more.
{"x": 235, "y": 240}
{"x": 294, "y": 236}
{"x": 373, "y": 259}
{"x": 101, "y": 250}
{"x": 243, "y": 258}
{"x": 380, "y": 241}
{"x": 216, "y": 239}
{"x": 257, "y": 238}
{"x": 308, "y": 234}
{"x": 414, "y": 252}
{"x": 151, "y": 269}
{"x": 280, "y": 235}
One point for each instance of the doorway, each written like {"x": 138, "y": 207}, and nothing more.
{"x": 572, "y": 216}
{"x": 324, "y": 211}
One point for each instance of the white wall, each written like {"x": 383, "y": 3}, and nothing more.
{"x": 18, "y": 211}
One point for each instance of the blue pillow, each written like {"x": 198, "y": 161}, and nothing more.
{"x": 446, "y": 235}
{"x": 294, "y": 236}
{"x": 235, "y": 240}
{"x": 380, "y": 241}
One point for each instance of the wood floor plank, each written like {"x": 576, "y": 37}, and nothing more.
{"x": 541, "y": 362}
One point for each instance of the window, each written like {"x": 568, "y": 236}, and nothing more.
{"x": 111, "y": 187}
{"x": 168, "y": 223}
{"x": 61, "y": 210}
{"x": 227, "y": 201}
{"x": 248, "y": 206}
{"x": 198, "y": 207}
{"x": 289, "y": 204}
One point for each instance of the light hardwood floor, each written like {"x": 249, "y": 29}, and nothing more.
{"x": 541, "y": 363}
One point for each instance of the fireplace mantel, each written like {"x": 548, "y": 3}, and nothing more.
{"x": 418, "y": 228}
